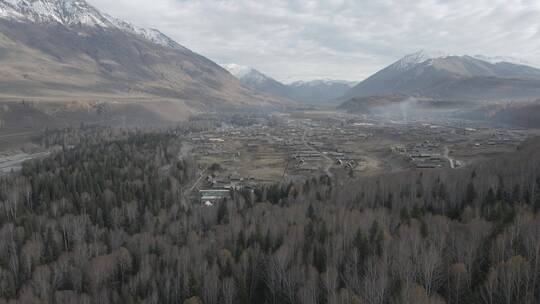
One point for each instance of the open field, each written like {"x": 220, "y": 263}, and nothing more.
{"x": 263, "y": 163}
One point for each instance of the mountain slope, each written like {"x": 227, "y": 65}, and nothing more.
{"x": 522, "y": 114}
{"x": 315, "y": 91}
{"x": 450, "y": 76}
{"x": 367, "y": 104}
{"x": 66, "y": 49}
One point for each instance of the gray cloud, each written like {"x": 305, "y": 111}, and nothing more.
{"x": 340, "y": 39}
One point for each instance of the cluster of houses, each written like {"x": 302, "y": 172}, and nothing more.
{"x": 501, "y": 138}
{"x": 211, "y": 197}
{"x": 424, "y": 155}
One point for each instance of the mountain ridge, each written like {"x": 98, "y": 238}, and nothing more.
{"x": 449, "y": 76}
{"x": 312, "y": 91}
{"x": 83, "y": 54}
{"x": 72, "y": 13}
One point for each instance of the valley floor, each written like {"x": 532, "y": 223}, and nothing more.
{"x": 289, "y": 208}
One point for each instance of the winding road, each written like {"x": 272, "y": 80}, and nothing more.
{"x": 447, "y": 156}
{"x": 328, "y": 159}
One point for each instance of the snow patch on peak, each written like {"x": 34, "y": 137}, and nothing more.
{"x": 66, "y": 12}
{"x": 76, "y": 13}
{"x": 411, "y": 60}
{"x": 153, "y": 35}
{"x": 157, "y": 37}
{"x": 237, "y": 70}
{"x": 247, "y": 74}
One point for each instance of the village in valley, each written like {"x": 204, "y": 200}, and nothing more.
{"x": 282, "y": 148}
{"x": 237, "y": 151}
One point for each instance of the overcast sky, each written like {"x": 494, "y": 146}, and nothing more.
{"x": 339, "y": 39}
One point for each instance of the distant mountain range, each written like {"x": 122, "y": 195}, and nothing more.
{"x": 69, "y": 50}
{"x": 319, "y": 91}
{"x": 258, "y": 81}
{"x": 441, "y": 76}
{"x": 314, "y": 92}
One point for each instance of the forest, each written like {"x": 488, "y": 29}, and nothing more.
{"x": 106, "y": 219}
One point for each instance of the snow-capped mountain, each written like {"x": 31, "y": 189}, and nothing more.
{"x": 256, "y": 80}
{"x": 238, "y": 71}
{"x": 314, "y": 91}
{"x": 69, "y": 50}
{"x": 442, "y": 75}
{"x": 67, "y": 12}
{"x": 247, "y": 75}
{"x": 428, "y": 57}
{"x": 411, "y": 60}
{"x": 73, "y": 13}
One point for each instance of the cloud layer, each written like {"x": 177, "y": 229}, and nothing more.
{"x": 339, "y": 39}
